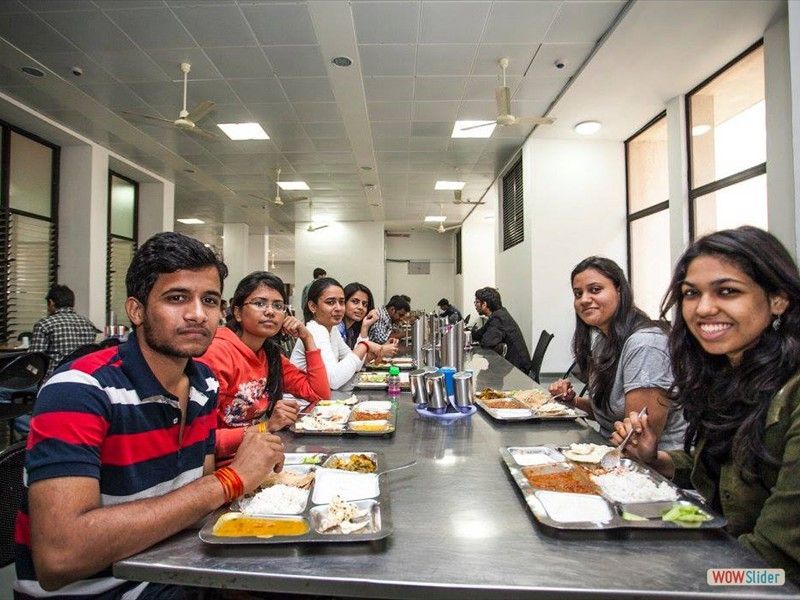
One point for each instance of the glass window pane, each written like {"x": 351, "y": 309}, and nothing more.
{"x": 728, "y": 122}
{"x": 648, "y": 175}
{"x": 30, "y": 176}
{"x": 651, "y": 267}
{"x": 744, "y": 203}
{"x": 123, "y": 206}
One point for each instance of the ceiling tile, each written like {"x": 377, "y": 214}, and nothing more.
{"x": 529, "y": 108}
{"x": 445, "y": 59}
{"x": 582, "y": 21}
{"x": 296, "y": 61}
{"x": 89, "y": 30}
{"x": 453, "y": 22}
{"x": 281, "y": 23}
{"x": 130, "y": 65}
{"x": 313, "y": 112}
{"x": 116, "y": 96}
{"x": 331, "y": 144}
{"x": 308, "y": 89}
{"x": 155, "y": 28}
{"x": 483, "y": 88}
{"x": 477, "y": 110}
{"x": 325, "y": 130}
{"x": 228, "y": 113}
{"x": 519, "y": 57}
{"x": 214, "y": 25}
{"x": 519, "y": 22}
{"x": 435, "y": 111}
{"x": 386, "y": 22}
{"x": 439, "y": 88}
{"x": 539, "y": 89}
{"x": 62, "y": 63}
{"x": 385, "y": 89}
{"x": 389, "y": 111}
{"x": 391, "y": 144}
{"x": 58, "y": 5}
{"x": 389, "y": 59}
{"x": 12, "y": 6}
{"x": 433, "y": 129}
{"x": 391, "y": 129}
{"x": 257, "y": 90}
{"x": 29, "y": 33}
{"x": 111, "y": 4}
{"x": 571, "y": 55}
{"x": 240, "y": 63}
{"x": 273, "y": 112}
{"x": 422, "y": 143}
{"x": 170, "y": 61}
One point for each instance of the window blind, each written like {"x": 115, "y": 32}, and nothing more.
{"x": 120, "y": 254}
{"x": 512, "y": 207}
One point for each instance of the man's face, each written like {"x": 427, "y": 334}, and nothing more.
{"x": 481, "y": 307}
{"x": 181, "y": 314}
{"x": 51, "y": 307}
{"x": 396, "y": 315}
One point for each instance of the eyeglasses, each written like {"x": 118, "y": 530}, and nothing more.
{"x": 263, "y": 305}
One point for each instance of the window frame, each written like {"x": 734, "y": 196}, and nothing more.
{"x": 112, "y": 236}
{"x": 512, "y": 172}
{"x": 729, "y": 180}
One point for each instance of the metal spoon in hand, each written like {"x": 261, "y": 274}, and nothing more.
{"x": 611, "y": 459}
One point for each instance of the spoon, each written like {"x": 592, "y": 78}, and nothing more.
{"x": 611, "y": 459}
{"x": 408, "y": 464}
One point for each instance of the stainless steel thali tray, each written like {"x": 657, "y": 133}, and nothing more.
{"x": 585, "y": 511}
{"x": 368, "y": 491}
{"x": 361, "y": 384}
{"x": 528, "y": 414}
{"x": 356, "y": 422}
{"x": 402, "y": 363}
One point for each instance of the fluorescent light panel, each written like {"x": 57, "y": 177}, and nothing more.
{"x": 478, "y": 132}
{"x": 435, "y": 219}
{"x": 293, "y": 185}
{"x": 449, "y": 185}
{"x": 243, "y": 131}
{"x": 191, "y": 221}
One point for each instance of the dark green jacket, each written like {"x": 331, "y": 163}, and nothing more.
{"x": 764, "y": 515}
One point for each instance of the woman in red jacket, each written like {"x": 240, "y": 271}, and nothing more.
{"x": 250, "y": 368}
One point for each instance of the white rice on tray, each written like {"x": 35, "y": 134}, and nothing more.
{"x": 626, "y": 486}
{"x": 276, "y": 500}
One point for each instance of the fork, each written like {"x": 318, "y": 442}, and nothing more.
{"x": 611, "y": 459}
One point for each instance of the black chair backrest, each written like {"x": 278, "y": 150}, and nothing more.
{"x": 24, "y": 371}
{"x": 78, "y": 352}
{"x": 538, "y": 354}
{"x": 12, "y": 462}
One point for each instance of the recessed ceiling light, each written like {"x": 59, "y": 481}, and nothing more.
{"x": 243, "y": 131}
{"x": 449, "y": 185}
{"x": 341, "y": 61}
{"x": 32, "y": 71}
{"x": 369, "y": 186}
{"x": 482, "y": 129}
{"x": 435, "y": 219}
{"x": 366, "y": 168}
{"x": 488, "y": 218}
{"x": 588, "y": 127}
{"x": 188, "y": 170}
{"x": 191, "y": 221}
{"x": 293, "y": 185}
{"x": 699, "y": 130}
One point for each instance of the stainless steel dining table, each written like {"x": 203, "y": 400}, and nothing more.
{"x": 461, "y": 529}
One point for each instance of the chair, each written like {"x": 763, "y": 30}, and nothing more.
{"x": 12, "y": 462}
{"x": 538, "y": 354}
{"x": 23, "y": 373}
{"x": 501, "y": 349}
{"x": 78, "y": 352}
{"x": 574, "y": 371}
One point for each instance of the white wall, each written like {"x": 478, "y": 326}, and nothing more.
{"x": 348, "y": 251}
{"x": 478, "y": 247}
{"x": 575, "y": 192}
{"x": 794, "y": 72}
{"x": 425, "y": 290}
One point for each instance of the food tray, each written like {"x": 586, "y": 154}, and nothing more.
{"x": 603, "y": 513}
{"x": 404, "y": 363}
{"x": 378, "y": 385}
{"x": 527, "y": 414}
{"x": 377, "y": 504}
{"x": 354, "y": 424}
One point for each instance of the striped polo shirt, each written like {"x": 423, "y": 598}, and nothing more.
{"x": 106, "y": 416}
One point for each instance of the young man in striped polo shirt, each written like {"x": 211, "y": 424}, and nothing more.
{"x": 121, "y": 449}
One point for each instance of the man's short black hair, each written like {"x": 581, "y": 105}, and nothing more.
{"x": 444, "y": 302}
{"x": 491, "y": 296}
{"x": 168, "y": 252}
{"x": 319, "y": 272}
{"x": 398, "y": 303}
{"x": 62, "y": 296}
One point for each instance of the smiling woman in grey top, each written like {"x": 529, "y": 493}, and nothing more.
{"x": 623, "y": 352}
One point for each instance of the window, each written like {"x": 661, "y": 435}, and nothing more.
{"x": 458, "y": 252}
{"x": 647, "y": 177}
{"x": 28, "y": 209}
{"x": 512, "y": 207}
{"x": 123, "y": 200}
{"x": 728, "y": 147}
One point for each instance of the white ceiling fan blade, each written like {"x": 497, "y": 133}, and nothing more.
{"x": 257, "y": 197}
{"x": 200, "y": 111}
{"x": 202, "y": 133}
{"x": 149, "y": 117}
{"x": 312, "y": 228}
{"x": 486, "y": 124}
{"x": 536, "y": 120}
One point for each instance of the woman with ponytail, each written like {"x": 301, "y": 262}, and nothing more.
{"x": 252, "y": 372}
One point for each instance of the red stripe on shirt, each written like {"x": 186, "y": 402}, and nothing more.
{"x": 22, "y": 529}
{"x": 91, "y": 362}
{"x": 68, "y": 426}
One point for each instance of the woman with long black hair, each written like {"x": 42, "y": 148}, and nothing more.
{"x": 359, "y": 315}
{"x": 250, "y": 368}
{"x": 735, "y": 348}
{"x": 622, "y": 351}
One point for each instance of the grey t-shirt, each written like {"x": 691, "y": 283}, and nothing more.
{"x": 644, "y": 363}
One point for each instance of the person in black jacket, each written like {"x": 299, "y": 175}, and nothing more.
{"x": 500, "y": 328}
{"x": 449, "y": 311}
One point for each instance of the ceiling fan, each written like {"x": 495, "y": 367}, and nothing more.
{"x": 441, "y": 228}
{"x": 187, "y": 120}
{"x": 312, "y": 227}
{"x": 503, "y": 98}
{"x": 457, "y": 199}
{"x": 277, "y": 201}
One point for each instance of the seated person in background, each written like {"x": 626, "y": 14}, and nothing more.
{"x": 318, "y": 272}
{"x": 323, "y": 312}
{"x": 500, "y": 328}
{"x": 359, "y": 315}
{"x": 735, "y": 349}
{"x": 63, "y": 330}
{"x": 121, "y": 450}
{"x": 250, "y": 368}
{"x": 448, "y": 311}
{"x": 389, "y": 318}
{"x": 622, "y": 352}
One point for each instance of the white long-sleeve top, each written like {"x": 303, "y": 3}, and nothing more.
{"x": 341, "y": 363}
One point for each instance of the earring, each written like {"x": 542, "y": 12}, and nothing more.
{"x": 776, "y": 323}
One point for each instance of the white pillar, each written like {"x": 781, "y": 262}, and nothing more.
{"x": 83, "y": 227}
{"x": 794, "y": 75}
{"x": 156, "y": 209}
{"x": 678, "y": 177}
{"x": 258, "y": 252}
{"x": 235, "y": 252}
